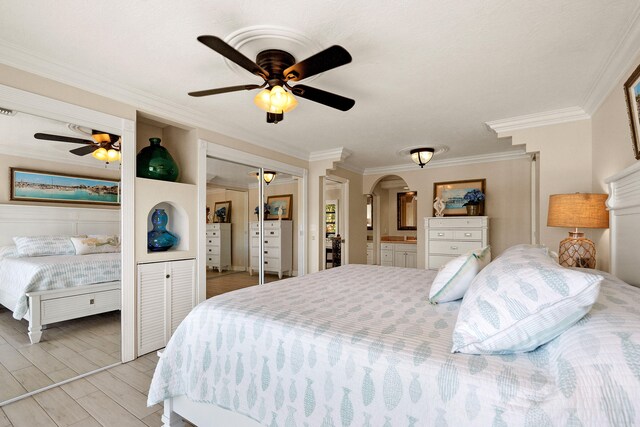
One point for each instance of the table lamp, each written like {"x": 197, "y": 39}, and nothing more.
{"x": 578, "y": 210}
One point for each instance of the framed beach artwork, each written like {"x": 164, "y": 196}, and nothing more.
{"x": 222, "y": 211}
{"x": 40, "y": 186}
{"x": 452, "y": 193}
{"x": 279, "y": 206}
{"x": 632, "y": 95}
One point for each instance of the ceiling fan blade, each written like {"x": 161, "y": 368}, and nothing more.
{"x": 233, "y": 55}
{"x": 50, "y": 137}
{"x": 83, "y": 151}
{"x": 224, "y": 90}
{"x": 323, "y": 97}
{"x": 330, "y": 58}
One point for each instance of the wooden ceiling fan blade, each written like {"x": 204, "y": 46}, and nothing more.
{"x": 60, "y": 138}
{"x": 83, "y": 151}
{"x": 323, "y": 97}
{"x": 223, "y": 90}
{"x": 217, "y": 44}
{"x": 330, "y": 58}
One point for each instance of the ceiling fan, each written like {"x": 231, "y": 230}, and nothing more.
{"x": 277, "y": 68}
{"x": 103, "y": 146}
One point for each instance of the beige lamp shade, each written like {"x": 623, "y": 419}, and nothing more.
{"x": 578, "y": 210}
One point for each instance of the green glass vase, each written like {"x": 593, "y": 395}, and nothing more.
{"x": 155, "y": 162}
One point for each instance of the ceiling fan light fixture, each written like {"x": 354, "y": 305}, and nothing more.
{"x": 101, "y": 154}
{"x": 275, "y": 100}
{"x": 113, "y": 155}
{"x": 421, "y": 156}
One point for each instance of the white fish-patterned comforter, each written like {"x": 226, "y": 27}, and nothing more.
{"x": 27, "y": 274}
{"x": 361, "y": 346}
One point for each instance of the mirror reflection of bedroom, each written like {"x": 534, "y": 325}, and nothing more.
{"x": 233, "y": 231}
{"x": 59, "y": 252}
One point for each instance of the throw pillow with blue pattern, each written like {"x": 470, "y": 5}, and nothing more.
{"x": 454, "y": 277}
{"x": 44, "y": 245}
{"x": 520, "y": 301}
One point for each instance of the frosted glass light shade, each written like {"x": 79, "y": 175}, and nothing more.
{"x": 275, "y": 100}
{"x": 100, "y": 154}
{"x": 421, "y": 156}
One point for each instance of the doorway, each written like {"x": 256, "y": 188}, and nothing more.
{"x": 335, "y": 202}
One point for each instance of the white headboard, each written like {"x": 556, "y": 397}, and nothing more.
{"x": 624, "y": 221}
{"x": 25, "y": 220}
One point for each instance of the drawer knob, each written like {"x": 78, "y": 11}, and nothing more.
{"x": 467, "y": 234}
{"x": 92, "y": 301}
{"x": 168, "y": 276}
{"x": 266, "y": 262}
{"x": 271, "y": 232}
{"x": 454, "y": 248}
{"x": 266, "y": 252}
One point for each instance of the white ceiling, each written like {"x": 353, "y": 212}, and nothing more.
{"x": 423, "y": 72}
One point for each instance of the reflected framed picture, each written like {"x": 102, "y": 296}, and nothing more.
{"x": 632, "y": 95}
{"x": 222, "y": 211}
{"x": 452, "y": 193}
{"x": 40, "y": 186}
{"x": 280, "y": 206}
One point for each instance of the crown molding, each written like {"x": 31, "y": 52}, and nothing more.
{"x": 544, "y": 118}
{"x": 458, "y": 161}
{"x": 351, "y": 168}
{"x": 617, "y": 66}
{"x": 14, "y": 57}
{"x": 336, "y": 154}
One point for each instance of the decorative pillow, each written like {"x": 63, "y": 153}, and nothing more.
{"x": 8, "y": 252}
{"x": 520, "y": 301}
{"x": 44, "y": 245}
{"x": 454, "y": 277}
{"x": 96, "y": 244}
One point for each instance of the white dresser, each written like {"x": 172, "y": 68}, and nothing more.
{"x": 219, "y": 246}
{"x": 278, "y": 247}
{"x": 449, "y": 237}
{"x": 398, "y": 254}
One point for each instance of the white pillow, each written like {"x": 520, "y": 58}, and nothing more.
{"x": 96, "y": 244}
{"x": 454, "y": 277}
{"x": 8, "y": 252}
{"x": 520, "y": 301}
{"x": 44, "y": 245}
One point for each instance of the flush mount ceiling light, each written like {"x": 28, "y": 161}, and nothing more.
{"x": 421, "y": 156}
{"x": 102, "y": 146}
{"x": 268, "y": 176}
{"x": 277, "y": 68}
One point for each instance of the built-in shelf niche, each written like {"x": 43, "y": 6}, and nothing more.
{"x": 177, "y": 224}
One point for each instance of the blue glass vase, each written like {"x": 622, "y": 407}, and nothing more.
{"x": 159, "y": 239}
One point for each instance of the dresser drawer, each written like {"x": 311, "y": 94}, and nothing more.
{"x": 267, "y": 232}
{"x": 440, "y": 234}
{"x": 213, "y": 260}
{"x": 437, "y": 261}
{"x": 386, "y": 246}
{"x": 213, "y": 250}
{"x": 271, "y": 263}
{"x": 213, "y": 242}
{"x": 467, "y": 235}
{"x": 452, "y": 248}
{"x": 405, "y": 247}
{"x": 272, "y": 242}
{"x": 462, "y": 222}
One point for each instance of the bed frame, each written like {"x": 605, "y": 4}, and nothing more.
{"x": 624, "y": 206}
{"x": 58, "y": 305}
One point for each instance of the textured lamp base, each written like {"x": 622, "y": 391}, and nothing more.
{"x": 577, "y": 251}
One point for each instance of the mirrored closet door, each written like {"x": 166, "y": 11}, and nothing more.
{"x": 237, "y": 242}
{"x": 60, "y": 260}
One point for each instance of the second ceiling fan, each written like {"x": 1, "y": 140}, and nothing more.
{"x": 277, "y": 68}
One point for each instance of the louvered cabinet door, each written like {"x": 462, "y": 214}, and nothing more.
{"x": 181, "y": 291}
{"x": 151, "y": 307}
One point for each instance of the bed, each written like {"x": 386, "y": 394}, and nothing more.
{"x": 361, "y": 345}
{"x": 49, "y": 289}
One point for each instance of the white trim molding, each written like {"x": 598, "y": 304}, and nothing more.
{"x": 458, "y": 161}
{"x": 544, "y": 118}
{"x": 335, "y": 154}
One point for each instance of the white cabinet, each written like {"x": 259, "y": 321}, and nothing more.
{"x": 278, "y": 247}
{"x": 449, "y": 237}
{"x": 370, "y": 253}
{"x": 219, "y": 246}
{"x": 398, "y": 255}
{"x": 166, "y": 294}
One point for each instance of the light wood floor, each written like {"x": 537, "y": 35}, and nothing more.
{"x": 67, "y": 349}
{"x": 115, "y": 397}
{"x": 220, "y": 283}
